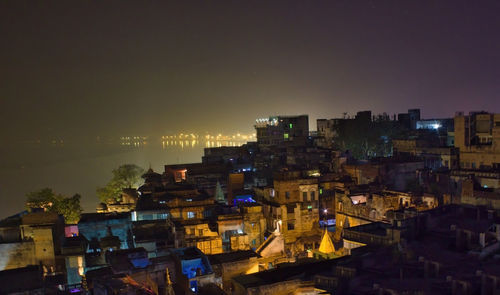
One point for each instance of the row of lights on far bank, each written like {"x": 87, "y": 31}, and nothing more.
{"x": 219, "y": 136}
{"x": 193, "y": 143}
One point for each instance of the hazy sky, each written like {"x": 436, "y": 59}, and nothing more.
{"x": 82, "y": 68}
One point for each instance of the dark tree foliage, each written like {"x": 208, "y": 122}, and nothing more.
{"x": 366, "y": 139}
{"x": 125, "y": 176}
{"x": 46, "y": 198}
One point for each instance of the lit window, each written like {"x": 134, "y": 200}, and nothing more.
{"x": 191, "y": 214}
{"x": 285, "y": 135}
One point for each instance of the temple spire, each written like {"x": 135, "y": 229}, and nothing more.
{"x": 326, "y": 245}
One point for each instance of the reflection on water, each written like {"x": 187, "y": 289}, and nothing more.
{"x": 81, "y": 168}
{"x": 194, "y": 143}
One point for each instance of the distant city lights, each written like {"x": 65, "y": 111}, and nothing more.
{"x": 190, "y": 140}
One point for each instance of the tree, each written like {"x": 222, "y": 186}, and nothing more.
{"x": 125, "y": 176}
{"x": 43, "y": 198}
{"x": 69, "y": 208}
{"x": 46, "y": 198}
{"x": 367, "y": 139}
{"x": 128, "y": 175}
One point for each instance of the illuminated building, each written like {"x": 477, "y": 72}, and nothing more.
{"x": 291, "y": 208}
{"x": 193, "y": 269}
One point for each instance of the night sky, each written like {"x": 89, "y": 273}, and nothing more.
{"x": 75, "y": 68}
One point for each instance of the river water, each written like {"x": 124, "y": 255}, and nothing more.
{"x": 81, "y": 168}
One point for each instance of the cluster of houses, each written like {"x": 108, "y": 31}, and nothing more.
{"x": 288, "y": 214}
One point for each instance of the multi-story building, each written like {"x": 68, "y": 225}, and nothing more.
{"x": 290, "y": 130}
{"x": 326, "y": 132}
{"x": 31, "y": 239}
{"x": 409, "y": 120}
{"x": 434, "y": 156}
{"x": 199, "y": 234}
{"x": 364, "y": 205}
{"x": 395, "y": 173}
{"x": 478, "y": 138}
{"x": 291, "y": 208}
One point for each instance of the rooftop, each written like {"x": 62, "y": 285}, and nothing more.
{"x": 231, "y": 256}
{"x": 96, "y": 217}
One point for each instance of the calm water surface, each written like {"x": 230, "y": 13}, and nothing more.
{"x": 70, "y": 169}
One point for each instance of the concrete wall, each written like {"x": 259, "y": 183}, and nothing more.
{"x": 16, "y": 255}
{"x": 44, "y": 246}
{"x": 121, "y": 228}
{"x": 232, "y": 269}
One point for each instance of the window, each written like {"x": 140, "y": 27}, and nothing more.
{"x": 287, "y": 195}
{"x": 254, "y": 242}
{"x": 285, "y": 136}
{"x": 313, "y": 195}
{"x": 291, "y": 125}
{"x": 304, "y": 196}
{"x": 290, "y": 226}
{"x": 191, "y": 214}
{"x": 290, "y": 209}
{"x": 200, "y": 232}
